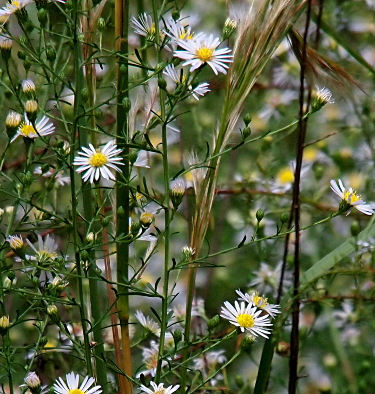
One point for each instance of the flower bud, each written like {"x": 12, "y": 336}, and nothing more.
{"x": 7, "y": 283}
{"x": 105, "y": 222}
{"x": 42, "y": 17}
{"x": 177, "y": 192}
{"x": 284, "y": 218}
{"x": 101, "y": 24}
{"x": 33, "y": 383}
{"x": 259, "y": 215}
{"x": 53, "y": 313}
{"x": 247, "y": 119}
{"x": 230, "y": 26}
{"x": 186, "y": 253}
{"x": 12, "y": 122}
{"x": 126, "y": 104}
{"x": 214, "y": 322}
{"x": 120, "y": 212}
{"x": 6, "y": 45}
{"x": 84, "y": 255}
{"x": 176, "y": 15}
{"x": 50, "y": 53}
{"x": 323, "y": 96}
{"x": 135, "y": 228}
{"x": 247, "y": 343}
{"x": 246, "y": 132}
{"x": 28, "y": 88}
{"x": 146, "y": 219}
{"x": 4, "y": 325}
{"x": 239, "y": 381}
{"x": 177, "y": 336}
{"x": 162, "y": 83}
{"x": 283, "y": 349}
{"x": 90, "y": 237}
{"x": 31, "y": 109}
{"x": 355, "y": 228}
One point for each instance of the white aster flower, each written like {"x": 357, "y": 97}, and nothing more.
{"x": 145, "y": 26}
{"x": 177, "y": 30}
{"x": 60, "y": 387}
{"x": 150, "y": 357}
{"x": 350, "y": 198}
{"x": 46, "y": 251}
{"x": 42, "y": 128}
{"x": 260, "y": 302}
{"x": 247, "y": 318}
{"x": 148, "y": 323}
{"x": 97, "y": 162}
{"x": 177, "y": 76}
{"x": 13, "y": 7}
{"x": 159, "y": 389}
{"x": 32, "y": 380}
{"x": 204, "y": 50}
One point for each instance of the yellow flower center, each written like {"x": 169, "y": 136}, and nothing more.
{"x": 351, "y": 197}
{"x": 204, "y": 54}
{"x": 185, "y": 36}
{"x": 245, "y": 320}
{"x": 152, "y": 361}
{"x": 259, "y": 301}
{"x": 27, "y": 129}
{"x": 15, "y": 4}
{"x": 98, "y": 159}
{"x": 160, "y": 391}
{"x": 285, "y": 176}
{"x": 76, "y": 391}
{"x": 43, "y": 256}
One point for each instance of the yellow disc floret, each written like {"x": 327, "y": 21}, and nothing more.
{"x": 351, "y": 196}
{"x": 27, "y": 130}
{"x": 76, "y": 391}
{"x": 204, "y": 54}
{"x": 245, "y": 320}
{"x": 98, "y": 159}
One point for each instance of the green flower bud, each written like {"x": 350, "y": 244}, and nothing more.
{"x": 247, "y": 119}
{"x": 42, "y": 17}
{"x": 101, "y": 24}
{"x": 259, "y": 215}
{"x": 246, "y": 132}
{"x": 213, "y": 322}
{"x": 50, "y": 53}
{"x": 105, "y": 222}
{"x": 120, "y": 212}
{"x": 176, "y": 15}
{"x": 135, "y": 228}
{"x": 84, "y": 255}
{"x": 126, "y": 104}
{"x": 177, "y": 336}
{"x": 239, "y": 381}
{"x": 355, "y": 228}
{"x": 284, "y": 218}
{"x": 162, "y": 83}
{"x": 85, "y": 94}
{"x": 247, "y": 343}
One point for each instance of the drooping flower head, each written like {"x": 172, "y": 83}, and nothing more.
{"x": 247, "y": 318}
{"x": 203, "y": 50}
{"x": 98, "y": 162}
{"x": 350, "y": 199}
{"x": 72, "y": 385}
{"x": 144, "y": 25}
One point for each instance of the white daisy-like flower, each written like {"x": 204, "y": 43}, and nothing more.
{"x": 247, "y": 318}
{"x": 97, "y": 162}
{"x": 46, "y": 251}
{"x": 148, "y": 323}
{"x": 350, "y": 198}
{"x": 203, "y": 50}
{"x": 71, "y": 385}
{"x": 13, "y": 7}
{"x": 42, "y": 128}
{"x": 144, "y": 26}
{"x": 209, "y": 359}
{"x": 58, "y": 176}
{"x": 177, "y": 76}
{"x": 177, "y": 30}
{"x": 32, "y": 380}
{"x": 260, "y": 302}
{"x": 150, "y": 357}
{"x": 159, "y": 388}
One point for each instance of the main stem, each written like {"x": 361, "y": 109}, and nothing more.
{"x": 122, "y": 188}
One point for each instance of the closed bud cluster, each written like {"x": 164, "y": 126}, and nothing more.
{"x": 146, "y": 219}
{"x": 12, "y": 122}
{"x": 4, "y": 325}
{"x": 230, "y": 26}
{"x": 6, "y": 45}
{"x": 33, "y": 383}
{"x": 31, "y": 109}
{"x": 177, "y": 192}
